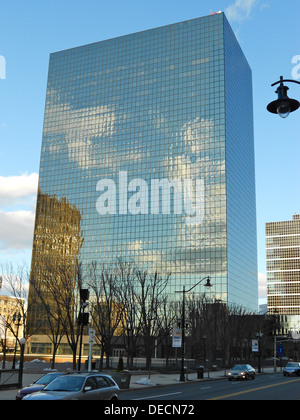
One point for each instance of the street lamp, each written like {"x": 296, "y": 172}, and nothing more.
{"x": 22, "y": 345}
{"x": 259, "y": 336}
{"x": 208, "y": 284}
{"x": 83, "y": 318}
{"x": 284, "y": 105}
{"x": 17, "y": 318}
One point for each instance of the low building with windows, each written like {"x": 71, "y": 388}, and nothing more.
{"x": 11, "y": 321}
{"x": 283, "y": 270}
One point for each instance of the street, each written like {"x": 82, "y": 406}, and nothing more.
{"x": 268, "y": 386}
{"x": 264, "y": 387}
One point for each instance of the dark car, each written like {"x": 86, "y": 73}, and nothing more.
{"x": 291, "y": 369}
{"x": 241, "y": 372}
{"x": 79, "y": 386}
{"x": 38, "y": 385}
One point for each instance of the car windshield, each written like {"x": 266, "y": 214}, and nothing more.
{"x": 45, "y": 380}
{"x": 239, "y": 367}
{"x": 66, "y": 383}
{"x": 293, "y": 365}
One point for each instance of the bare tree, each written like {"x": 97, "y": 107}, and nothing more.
{"x": 15, "y": 281}
{"x": 55, "y": 300}
{"x": 52, "y": 324}
{"x": 151, "y": 297}
{"x": 105, "y": 308}
{"x": 131, "y": 320}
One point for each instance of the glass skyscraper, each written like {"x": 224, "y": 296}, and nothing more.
{"x": 148, "y": 156}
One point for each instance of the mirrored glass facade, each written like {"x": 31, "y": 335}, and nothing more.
{"x": 149, "y": 137}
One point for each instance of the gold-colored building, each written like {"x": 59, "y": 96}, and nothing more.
{"x": 56, "y": 245}
{"x": 283, "y": 266}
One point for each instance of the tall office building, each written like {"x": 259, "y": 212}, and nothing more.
{"x": 283, "y": 267}
{"x": 148, "y": 141}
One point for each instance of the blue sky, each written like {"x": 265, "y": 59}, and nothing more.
{"x": 268, "y": 31}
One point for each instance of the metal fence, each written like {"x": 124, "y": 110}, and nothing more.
{"x": 10, "y": 379}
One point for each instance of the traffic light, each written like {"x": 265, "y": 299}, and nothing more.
{"x": 84, "y": 295}
{"x": 83, "y": 319}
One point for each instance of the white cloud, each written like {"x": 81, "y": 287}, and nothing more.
{"x": 262, "y": 286}
{"x": 17, "y": 212}
{"x": 17, "y": 188}
{"x": 16, "y": 229}
{"x": 240, "y": 10}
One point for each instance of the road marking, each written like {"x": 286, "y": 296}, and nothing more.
{"x": 222, "y": 397}
{"x": 157, "y": 396}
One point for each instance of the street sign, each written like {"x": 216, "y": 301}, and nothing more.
{"x": 92, "y": 332}
{"x": 2, "y": 327}
{"x": 279, "y": 350}
{"x": 255, "y": 346}
{"x": 177, "y": 338}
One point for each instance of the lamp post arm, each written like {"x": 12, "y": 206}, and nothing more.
{"x": 205, "y": 278}
{"x": 285, "y": 80}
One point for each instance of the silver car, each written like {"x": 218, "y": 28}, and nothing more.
{"x": 241, "y": 372}
{"x": 79, "y": 386}
{"x": 292, "y": 368}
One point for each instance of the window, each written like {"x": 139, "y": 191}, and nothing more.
{"x": 91, "y": 382}
{"x": 102, "y": 382}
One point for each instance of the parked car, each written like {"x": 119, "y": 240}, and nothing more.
{"x": 79, "y": 386}
{"x": 292, "y": 368}
{"x": 38, "y": 385}
{"x": 241, "y": 372}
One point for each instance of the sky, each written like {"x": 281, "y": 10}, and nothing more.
{"x": 268, "y": 32}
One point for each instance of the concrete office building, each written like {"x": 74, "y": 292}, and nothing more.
{"x": 283, "y": 266}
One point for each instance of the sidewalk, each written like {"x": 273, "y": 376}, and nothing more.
{"x": 139, "y": 380}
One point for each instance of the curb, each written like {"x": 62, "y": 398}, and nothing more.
{"x": 189, "y": 381}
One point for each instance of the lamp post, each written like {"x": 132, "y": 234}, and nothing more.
{"x": 83, "y": 319}
{"x": 208, "y": 284}
{"x": 17, "y": 318}
{"x": 22, "y": 345}
{"x": 259, "y": 336}
{"x": 284, "y": 105}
